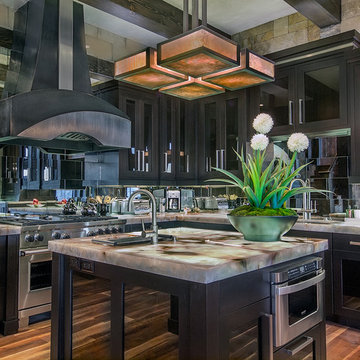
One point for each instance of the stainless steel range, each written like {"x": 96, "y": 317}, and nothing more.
{"x": 35, "y": 258}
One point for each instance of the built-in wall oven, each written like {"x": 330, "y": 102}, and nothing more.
{"x": 297, "y": 298}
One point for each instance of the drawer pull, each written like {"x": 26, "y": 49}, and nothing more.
{"x": 356, "y": 243}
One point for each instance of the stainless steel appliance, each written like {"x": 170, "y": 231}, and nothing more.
{"x": 35, "y": 258}
{"x": 186, "y": 198}
{"x": 297, "y": 296}
{"x": 211, "y": 203}
{"x": 173, "y": 200}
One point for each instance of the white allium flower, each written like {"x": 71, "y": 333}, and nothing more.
{"x": 298, "y": 142}
{"x": 263, "y": 123}
{"x": 259, "y": 142}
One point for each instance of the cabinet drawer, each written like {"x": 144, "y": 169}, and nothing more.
{"x": 346, "y": 242}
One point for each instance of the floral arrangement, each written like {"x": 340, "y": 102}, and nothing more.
{"x": 267, "y": 188}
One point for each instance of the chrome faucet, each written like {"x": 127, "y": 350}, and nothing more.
{"x": 307, "y": 208}
{"x": 154, "y": 233}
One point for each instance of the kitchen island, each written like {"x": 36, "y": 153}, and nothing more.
{"x": 219, "y": 280}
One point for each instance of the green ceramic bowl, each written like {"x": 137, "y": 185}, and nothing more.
{"x": 262, "y": 228}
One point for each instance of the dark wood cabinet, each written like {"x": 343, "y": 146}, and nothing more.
{"x": 139, "y": 164}
{"x": 9, "y": 277}
{"x": 346, "y": 258}
{"x": 222, "y": 129}
{"x": 353, "y": 79}
{"x": 178, "y": 145}
{"x": 309, "y": 96}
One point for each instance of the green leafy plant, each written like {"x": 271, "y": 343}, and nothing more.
{"x": 268, "y": 186}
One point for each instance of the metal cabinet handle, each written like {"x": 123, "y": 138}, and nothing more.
{"x": 308, "y": 340}
{"x": 143, "y": 160}
{"x": 291, "y": 108}
{"x": 222, "y": 159}
{"x": 217, "y": 158}
{"x": 356, "y": 243}
{"x": 166, "y": 162}
{"x": 208, "y": 164}
{"x": 301, "y": 112}
{"x": 266, "y": 340}
{"x": 284, "y": 290}
{"x": 187, "y": 163}
{"x": 138, "y": 160}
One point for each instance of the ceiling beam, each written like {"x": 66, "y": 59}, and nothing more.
{"x": 156, "y": 16}
{"x": 321, "y": 12}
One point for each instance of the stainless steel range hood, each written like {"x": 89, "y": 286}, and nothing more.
{"x": 47, "y": 96}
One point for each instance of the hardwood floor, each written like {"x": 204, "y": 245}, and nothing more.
{"x": 145, "y": 326}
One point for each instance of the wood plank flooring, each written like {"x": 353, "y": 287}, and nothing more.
{"x": 145, "y": 326}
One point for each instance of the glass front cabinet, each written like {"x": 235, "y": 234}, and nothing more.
{"x": 221, "y": 131}
{"x": 178, "y": 145}
{"x": 307, "y": 97}
{"x": 140, "y": 161}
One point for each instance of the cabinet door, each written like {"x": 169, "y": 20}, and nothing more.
{"x": 346, "y": 260}
{"x": 234, "y": 128}
{"x": 211, "y": 151}
{"x": 278, "y": 99}
{"x": 321, "y": 95}
{"x": 186, "y": 154}
{"x": 167, "y": 136}
{"x": 140, "y": 161}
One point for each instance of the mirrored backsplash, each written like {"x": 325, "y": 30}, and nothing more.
{"x": 328, "y": 169}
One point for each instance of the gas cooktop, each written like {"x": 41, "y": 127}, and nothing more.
{"x": 33, "y": 220}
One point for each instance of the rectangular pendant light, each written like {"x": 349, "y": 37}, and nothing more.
{"x": 253, "y": 70}
{"x": 198, "y": 52}
{"x": 142, "y": 70}
{"x": 192, "y": 89}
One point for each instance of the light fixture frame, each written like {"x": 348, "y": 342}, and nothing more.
{"x": 192, "y": 81}
{"x": 228, "y": 61}
{"x": 147, "y": 65}
{"x": 244, "y": 67}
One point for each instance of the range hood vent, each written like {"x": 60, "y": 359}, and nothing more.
{"x": 47, "y": 100}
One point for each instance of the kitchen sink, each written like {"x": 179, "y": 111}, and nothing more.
{"x": 131, "y": 239}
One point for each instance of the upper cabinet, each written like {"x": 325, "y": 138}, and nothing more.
{"x": 308, "y": 97}
{"x": 178, "y": 150}
{"x": 222, "y": 129}
{"x": 140, "y": 163}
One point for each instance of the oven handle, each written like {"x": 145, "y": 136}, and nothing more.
{"x": 300, "y": 286}
{"x": 34, "y": 252}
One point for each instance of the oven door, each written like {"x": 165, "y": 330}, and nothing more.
{"x": 34, "y": 278}
{"x": 297, "y": 306}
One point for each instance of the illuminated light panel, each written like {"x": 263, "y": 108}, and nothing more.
{"x": 192, "y": 89}
{"x": 253, "y": 70}
{"x": 198, "y": 52}
{"x": 141, "y": 70}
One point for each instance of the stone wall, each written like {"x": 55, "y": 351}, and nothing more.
{"x": 295, "y": 30}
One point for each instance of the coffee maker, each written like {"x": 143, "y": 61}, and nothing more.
{"x": 173, "y": 202}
